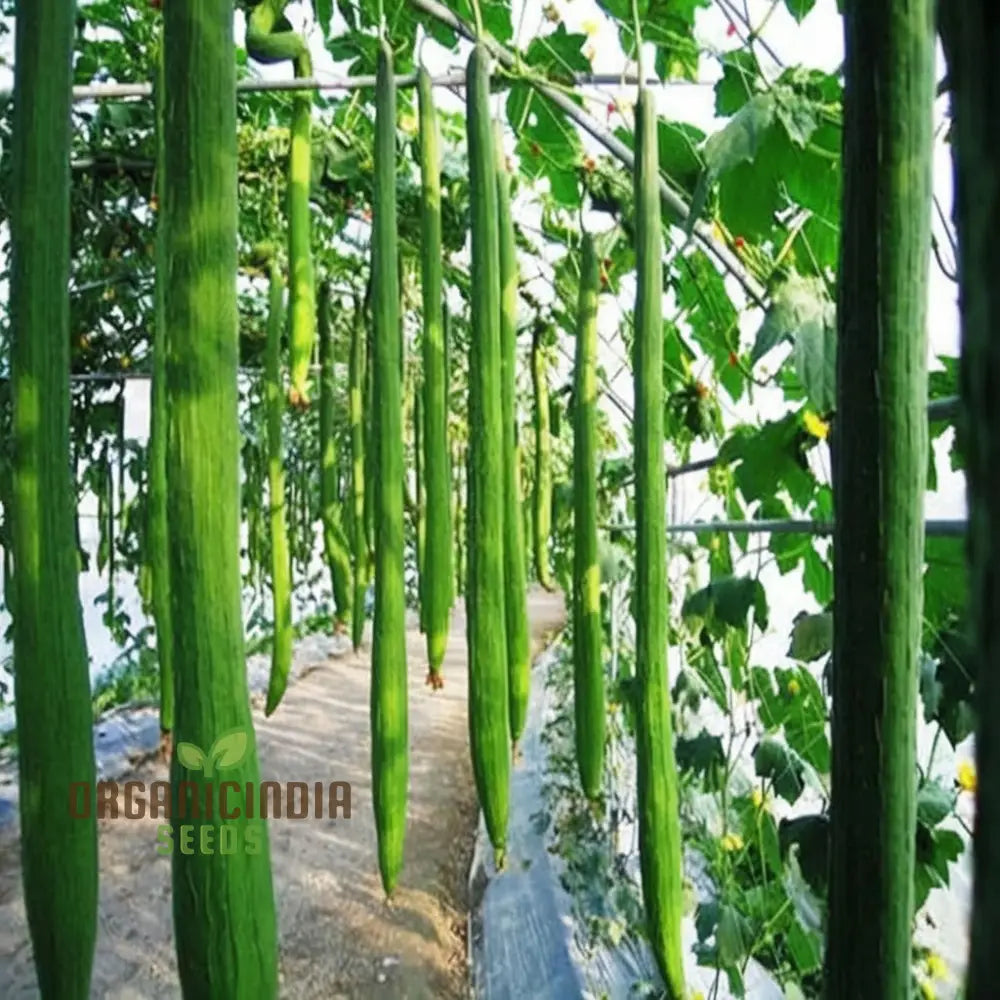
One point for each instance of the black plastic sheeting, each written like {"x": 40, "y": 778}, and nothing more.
{"x": 522, "y": 934}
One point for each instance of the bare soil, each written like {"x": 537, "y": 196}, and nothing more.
{"x": 340, "y": 940}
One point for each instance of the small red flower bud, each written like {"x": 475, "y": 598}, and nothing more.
{"x": 730, "y": 30}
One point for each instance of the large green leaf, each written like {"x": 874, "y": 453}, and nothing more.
{"x": 704, "y": 756}
{"x": 777, "y": 763}
{"x": 815, "y": 358}
{"x": 794, "y": 302}
{"x": 728, "y": 601}
{"x": 680, "y": 160}
{"x": 324, "y": 14}
{"x": 559, "y": 54}
{"x": 548, "y": 146}
{"x": 768, "y": 459}
{"x": 812, "y": 637}
{"x": 738, "y": 83}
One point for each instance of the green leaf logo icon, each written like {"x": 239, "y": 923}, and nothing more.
{"x": 226, "y": 752}
{"x": 191, "y": 756}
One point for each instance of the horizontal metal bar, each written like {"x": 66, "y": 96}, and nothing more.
{"x": 937, "y": 528}
{"x": 121, "y": 91}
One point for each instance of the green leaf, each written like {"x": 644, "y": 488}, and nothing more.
{"x": 769, "y": 458}
{"x": 812, "y": 637}
{"x": 817, "y": 576}
{"x": 703, "y": 661}
{"x": 548, "y": 146}
{"x": 559, "y": 54}
{"x": 728, "y": 600}
{"x": 791, "y": 699}
{"x": 496, "y": 17}
{"x": 796, "y": 301}
{"x": 934, "y": 803}
{"x": 775, "y": 762}
{"x": 936, "y": 851}
{"x": 324, "y": 14}
{"x": 739, "y": 140}
{"x": 738, "y": 84}
{"x": 797, "y": 114}
{"x": 680, "y": 160}
{"x": 191, "y": 756}
{"x": 702, "y": 755}
{"x": 946, "y": 581}
{"x": 811, "y": 834}
{"x": 815, "y": 357}
{"x": 733, "y": 935}
{"x": 737, "y": 143}
{"x": 805, "y": 948}
{"x": 805, "y": 721}
{"x": 799, "y": 8}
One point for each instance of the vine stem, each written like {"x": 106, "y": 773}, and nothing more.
{"x": 637, "y": 29}
{"x": 478, "y": 15}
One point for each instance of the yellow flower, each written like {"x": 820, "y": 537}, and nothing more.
{"x": 966, "y": 776}
{"x": 590, "y": 28}
{"x": 757, "y": 797}
{"x": 697, "y": 995}
{"x": 937, "y": 968}
{"x": 408, "y": 124}
{"x": 793, "y": 687}
{"x": 818, "y": 428}
{"x": 927, "y": 990}
{"x": 732, "y": 842}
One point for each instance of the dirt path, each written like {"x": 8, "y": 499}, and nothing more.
{"x": 339, "y": 939}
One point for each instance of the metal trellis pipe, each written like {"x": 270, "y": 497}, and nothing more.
{"x": 941, "y": 528}
{"x": 252, "y": 85}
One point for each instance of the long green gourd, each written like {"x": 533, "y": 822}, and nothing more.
{"x": 515, "y": 585}
{"x": 156, "y": 535}
{"x": 542, "y": 495}
{"x": 281, "y": 567}
{"x": 437, "y": 586}
{"x": 588, "y": 663}
{"x": 658, "y": 804}
{"x": 419, "y": 512}
{"x": 459, "y": 520}
{"x": 335, "y": 543}
{"x": 51, "y": 679}
{"x": 200, "y": 215}
{"x": 879, "y": 479}
{"x": 369, "y": 428}
{"x": 270, "y": 39}
{"x": 969, "y": 34}
{"x": 489, "y": 717}
{"x": 359, "y": 543}
{"x": 390, "y": 741}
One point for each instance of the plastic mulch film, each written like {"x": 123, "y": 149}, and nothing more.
{"x": 528, "y": 925}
